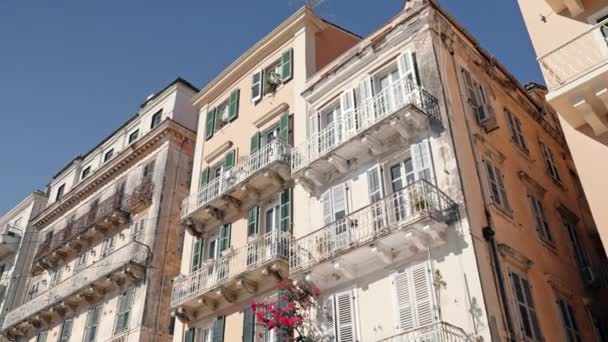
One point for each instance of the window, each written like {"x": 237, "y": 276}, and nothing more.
{"x": 85, "y": 172}
{"x": 542, "y": 228}
{"x": 81, "y": 261}
{"x": 496, "y": 185}
{"x": 66, "y": 330}
{"x": 568, "y": 320}
{"x": 34, "y": 291}
{"x": 42, "y": 336}
{"x": 108, "y": 155}
{"x": 60, "y": 191}
{"x": 330, "y": 121}
{"x": 517, "y": 135}
{"x": 90, "y": 332}
{"x": 525, "y": 308}
{"x": 267, "y": 80}
{"x": 338, "y": 316}
{"x": 156, "y": 119}
{"x": 550, "y": 162}
{"x": 133, "y": 136}
{"x": 197, "y": 250}
{"x": 222, "y": 115}
{"x": 56, "y": 276}
{"x": 107, "y": 246}
{"x": 477, "y": 98}
{"x": 137, "y": 230}
{"x": 335, "y": 209}
{"x": 413, "y": 297}
{"x": 123, "y": 312}
{"x": 148, "y": 171}
{"x": 226, "y": 112}
{"x": 224, "y": 239}
{"x": 578, "y": 252}
{"x": 272, "y": 77}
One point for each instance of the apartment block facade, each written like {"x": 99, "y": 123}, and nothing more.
{"x": 411, "y": 178}
{"x": 15, "y": 247}
{"x": 570, "y": 40}
{"x": 108, "y": 241}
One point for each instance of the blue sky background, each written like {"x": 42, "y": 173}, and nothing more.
{"x": 72, "y": 71}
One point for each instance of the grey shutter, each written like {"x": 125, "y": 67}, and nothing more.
{"x": 345, "y": 316}
{"x": 474, "y": 101}
{"x": 210, "y": 124}
{"x": 287, "y": 65}
{"x": 285, "y": 218}
{"x": 284, "y": 127}
{"x": 233, "y": 106}
{"x": 66, "y": 330}
{"x": 253, "y": 221}
{"x": 248, "y": 324}
{"x": 256, "y": 85}
{"x": 525, "y": 308}
{"x": 255, "y": 142}
{"x": 190, "y": 335}
{"x": 229, "y": 160}
{"x": 539, "y": 215}
{"x": 218, "y": 329}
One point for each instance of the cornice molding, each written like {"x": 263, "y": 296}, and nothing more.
{"x": 514, "y": 257}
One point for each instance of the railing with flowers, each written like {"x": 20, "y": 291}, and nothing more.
{"x": 435, "y": 332}
{"x": 271, "y": 246}
{"x": 410, "y": 204}
{"x": 276, "y": 151}
{"x": 576, "y": 57}
{"x": 370, "y": 112}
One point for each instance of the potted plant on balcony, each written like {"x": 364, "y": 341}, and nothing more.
{"x": 272, "y": 82}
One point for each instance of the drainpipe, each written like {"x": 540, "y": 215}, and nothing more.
{"x": 488, "y": 232}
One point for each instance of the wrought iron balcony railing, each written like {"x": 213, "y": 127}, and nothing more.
{"x": 276, "y": 151}
{"x": 577, "y": 57}
{"x": 257, "y": 253}
{"x": 368, "y": 114}
{"x": 435, "y": 332}
{"x": 398, "y": 211}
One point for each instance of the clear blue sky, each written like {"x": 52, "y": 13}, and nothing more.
{"x": 72, "y": 71}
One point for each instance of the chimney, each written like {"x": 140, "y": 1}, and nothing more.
{"x": 413, "y": 4}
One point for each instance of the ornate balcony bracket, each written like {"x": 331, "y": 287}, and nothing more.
{"x": 250, "y": 286}
{"x": 229, "y": 295}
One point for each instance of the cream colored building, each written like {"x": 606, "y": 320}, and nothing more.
{"x": 427, "y": 193}
{"x": 107, "y": 243}
{"x": 570, "y": 39}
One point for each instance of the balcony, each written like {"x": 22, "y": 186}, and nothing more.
{"x": 576, "y": 74}
{"x": 399, "y": 226}
{"x": 224, "y": 199}
{"x": 141, "y": 197}
{"x": 435, "y": 332}
{"x": 9, "y": 240}
{"x": 234, "y": 277}
{"x": 122, "y": 269}
{"x": 77, "y": 235}
{"x": 400, "y": 112}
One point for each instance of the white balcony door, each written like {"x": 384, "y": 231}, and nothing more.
{"x": 349, "y": 114}
{"x": 338, "y": 317}
{"x": 376, "y": 193}
{"x": 388, "y": 92}
{"x": 331, "y": 127}
{"x": 335, "y": 208}
{"x": 414, "y": 304}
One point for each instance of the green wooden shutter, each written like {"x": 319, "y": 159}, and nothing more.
{"x": 282, "y": 302}
{"x": 256, "y": 86}
{"x": 190, "y": 335}
{"x": 248, "y": 324}
{"x": 285, "y": 218}
{"x": 284, "y": 127}
{"x": 229, "y": 160}
{"x": 210, "y": 124}
{"x": 287, "y": 65}
{"x": 197, "y": 255}
{"x": 225, "y": 237}
{"x": 253, "y": 221}
{"x": 205, "y": 177}
{"x": 255, "y": 142}
{"x": 218, "y": 329}
{"x": 233, "y": 109}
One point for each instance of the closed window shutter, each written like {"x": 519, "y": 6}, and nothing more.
{"x": 190, "y": 335}
{"x": 204, "y": 177}
{"x": 366, "y": 94}
{"x": 539, "y": 214}
{"x": 414, "y": 294}
{"x": 472, "y": 94}
{"x": 568, "y": 321}
{"x": 256, "y": 86}
{"x": 218, "y": 329}
{"x": 525, "y": 305}
{"x": 229, "y": 159}
{"x": 255, "y": 142}
{"x": 421, "y": 160}
{"x": 550, "y": 162}
{"x": 197, "y": 254}
{"x": 345, "y": 316}
{"x": 327, "y": 207}
{"x": 486, "y": 111}
{"x": 405, "y": 301}
{"x": 253, "y": 221}
{"x": 233, "y": 106}
{"x": 339, "y": 201}
{"x": 225, "y": 237}
{"x": 347, "y": 105}
{"x": 423, "y": 294}
{"x": 66, "y": 330}
{"x": 285, "y": 218}
{"x": 284, "y": 127}
{"x": 248, "y": 324}
{"x": 210, "y": 124}
{"x": 407, "y": 65}
{"x": 328, "y": 319}
{"x": 287, "y": 65}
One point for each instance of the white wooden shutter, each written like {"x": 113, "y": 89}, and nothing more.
{"x": 338, "y": 193}
{"x": 421, "y": 160}
{"x": 374, "y": 189}
{"x": 423, "y": 297}
{"x": 328, "y": 320}
{"x": 345, "y": 316}
{"x": 366, "y": 105}
{"x": 414, "y": 297}
{"x": 347, "y": 104}
{"x": 313, "y": 130}
{"x": 407, "y": 69}
{"x": 404, "y": 301}
{"x": 327, "y": 207}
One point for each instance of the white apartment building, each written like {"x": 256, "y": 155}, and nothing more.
{"x": 108, "y": 238}
{"x": 16, "y": 242}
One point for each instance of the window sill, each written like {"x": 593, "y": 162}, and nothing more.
{"x": 505, "y": 213}
{"x": 523, "y": 152}
{"x": 550, "y": 246}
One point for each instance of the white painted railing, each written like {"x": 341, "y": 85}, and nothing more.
{"x": 576, "y": 57}
{"x": 271, "y": 246}
{"x": 367, "y": 114}
{"x": 276, "y": 151}
{"x": 414, "y": 202}
{"x": 436, "y": 332}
